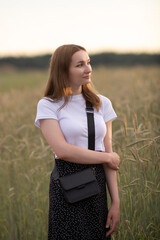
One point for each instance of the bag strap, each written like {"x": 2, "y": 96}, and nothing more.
{"x": 91, "y": 134}
{"x": 91, "y": 126}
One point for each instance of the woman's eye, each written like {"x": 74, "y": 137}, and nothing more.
{"x": 80, "y": 65}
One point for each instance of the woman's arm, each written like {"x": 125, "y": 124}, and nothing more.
{"x": 53, "y": 135}
{"x": 111, "y": 179}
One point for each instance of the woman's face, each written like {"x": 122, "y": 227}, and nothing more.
{"x": 80, "y": 69}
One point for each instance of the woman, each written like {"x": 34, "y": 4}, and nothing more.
{"x": 62, "y": 118}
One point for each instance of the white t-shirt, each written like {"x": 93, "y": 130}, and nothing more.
{"x": 72, "y": 119}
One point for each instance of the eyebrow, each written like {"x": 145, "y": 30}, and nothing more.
{"x": 83, "y": 61}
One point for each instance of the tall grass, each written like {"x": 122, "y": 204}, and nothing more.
{"x": 26, "y": 160}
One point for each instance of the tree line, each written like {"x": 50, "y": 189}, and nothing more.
{"x": 106, "y": 59}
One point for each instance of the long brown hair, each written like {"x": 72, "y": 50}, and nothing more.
{"x": 58, "y": 82}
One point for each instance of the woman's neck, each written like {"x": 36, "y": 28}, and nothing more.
{"x": 76, "y": 91}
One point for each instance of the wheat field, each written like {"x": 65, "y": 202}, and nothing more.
{"x": 26, "y": 160}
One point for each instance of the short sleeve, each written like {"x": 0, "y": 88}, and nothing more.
{"x": 45, "y": 110}
{"x": 107, "y": 109}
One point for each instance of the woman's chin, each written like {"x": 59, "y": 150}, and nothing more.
{"x": 86, "y": 81}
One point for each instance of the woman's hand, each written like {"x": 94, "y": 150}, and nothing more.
{"x": 114, "y": 161}
{"x": 113, "y": 217}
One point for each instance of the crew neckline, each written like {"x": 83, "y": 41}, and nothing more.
{"x": 77, "y": 96}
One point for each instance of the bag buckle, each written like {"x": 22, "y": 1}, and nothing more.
{"x": 89, "y": 109}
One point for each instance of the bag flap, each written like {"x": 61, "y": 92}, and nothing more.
{"x": 77, "y": 179}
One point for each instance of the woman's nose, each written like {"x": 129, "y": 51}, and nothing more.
{"x": 88, "y": 69}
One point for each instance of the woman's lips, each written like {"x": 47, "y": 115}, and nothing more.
{"x": 87, "y": 77}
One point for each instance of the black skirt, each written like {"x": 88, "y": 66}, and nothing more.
{"x": 84, "y": 220}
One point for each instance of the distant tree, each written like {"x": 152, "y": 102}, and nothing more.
{"x": 106, "y": 59}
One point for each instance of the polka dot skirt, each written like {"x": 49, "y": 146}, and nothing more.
{"x": 83, "y": 220}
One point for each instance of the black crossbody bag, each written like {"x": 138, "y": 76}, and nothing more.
{"x": 82, "y": 184}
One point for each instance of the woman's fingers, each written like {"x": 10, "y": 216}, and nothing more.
{"x": 113, "y": 228}
{"x": 108, "y": 221}
{"x": 114, "y": 161}
{"x": 113, "y": 217}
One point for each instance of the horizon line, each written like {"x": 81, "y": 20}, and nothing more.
{"x": 91, "y": 52}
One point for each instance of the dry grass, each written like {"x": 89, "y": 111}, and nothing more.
{"x": 26, "y": 161}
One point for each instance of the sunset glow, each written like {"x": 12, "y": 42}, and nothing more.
{"x": 36, "y": 27}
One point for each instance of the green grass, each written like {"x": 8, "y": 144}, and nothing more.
{"x": 26, "y": 160}
{"x": 21, "y": 80}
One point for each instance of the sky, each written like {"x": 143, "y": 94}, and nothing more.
{"x": 31, "y": 27}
